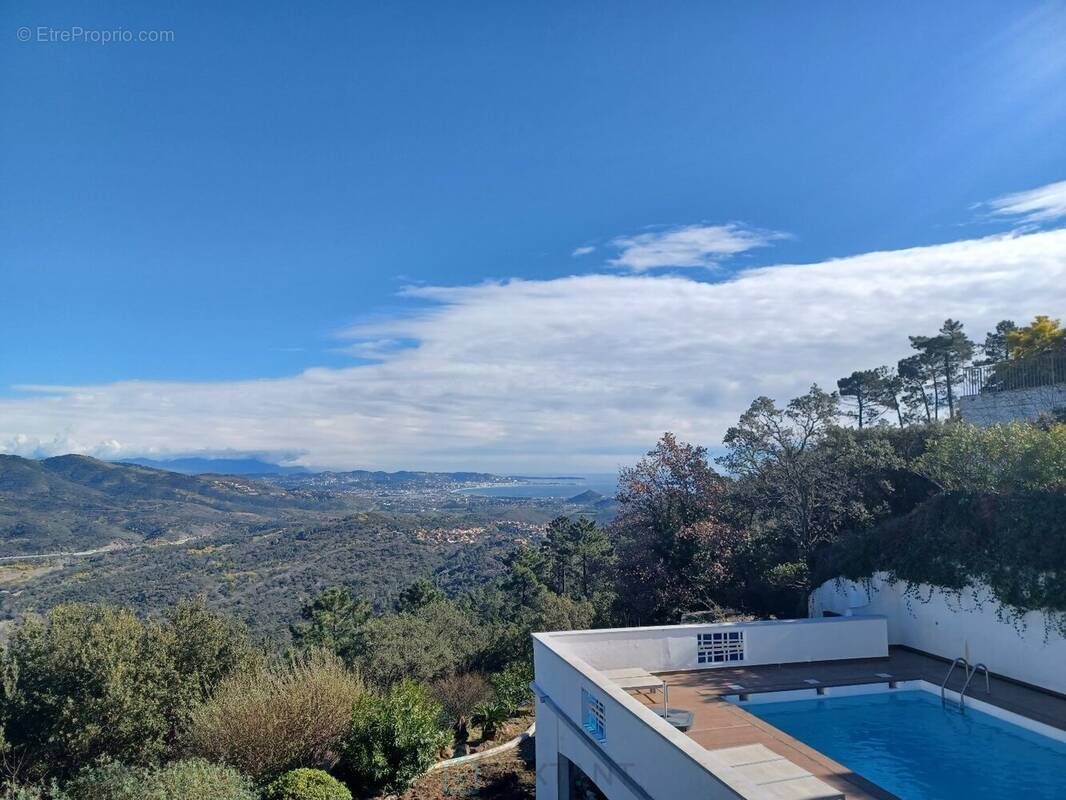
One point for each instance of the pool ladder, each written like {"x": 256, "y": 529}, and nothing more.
{"x": 970, "y": 673}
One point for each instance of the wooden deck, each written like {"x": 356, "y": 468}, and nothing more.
{"x": 718, "y": 724}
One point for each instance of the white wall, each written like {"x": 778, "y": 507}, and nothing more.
{"x": 951, "y": 626}
{"x": 673, "y": 647}
{"x": 557, "y": 743}
{"x": 664, "y": 762}
{"x": 992, "y": 408}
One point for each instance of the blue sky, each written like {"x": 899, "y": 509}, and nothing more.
{"x": 222, "y": 208}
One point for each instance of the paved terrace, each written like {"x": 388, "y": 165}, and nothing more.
{"x": 719, "y": 724}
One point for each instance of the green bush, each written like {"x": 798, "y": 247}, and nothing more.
{"x": 307, "y": 784}
{"x": 15, "y": 791}
{"x": 86, "y": 682}
{"x": 194, "y": 779}
{"x": 430, "y": 642}
{"x": 1000, "y": 458}
{"x": 279, "y": 718}
{"x": 93, "y": 681}
{"x": 394, "y": 738}
{"x": 490, "y": 716}
{"x": 512, "y": 686}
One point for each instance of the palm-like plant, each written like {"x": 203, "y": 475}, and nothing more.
{"x": 490, "y": 716}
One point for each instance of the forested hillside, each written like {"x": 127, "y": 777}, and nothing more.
{"x": 74, "y": 528}
{"x": 79, "y": 503}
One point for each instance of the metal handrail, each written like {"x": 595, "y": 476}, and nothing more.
{"x": 1029, "y": 372}
{"x": 988, "y": 685}
{"x": 944, "y": 685}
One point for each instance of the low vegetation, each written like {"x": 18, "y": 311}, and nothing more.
{"x": 268, "y": 721}
{"x": 395, "y": 736}
{"x": 307, "y": 784}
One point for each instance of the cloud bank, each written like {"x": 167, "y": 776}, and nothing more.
{"x": 1034, "y": 206}
{"x": 579, "y": 373}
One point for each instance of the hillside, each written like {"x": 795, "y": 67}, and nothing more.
{"x": 78, "y": 503}
{"x": 263, "y": 573}
{"x": 74, "y": 528}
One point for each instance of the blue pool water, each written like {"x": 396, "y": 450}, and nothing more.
{"x": 907, "y": 743}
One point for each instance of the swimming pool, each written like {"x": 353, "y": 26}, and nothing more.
{"x": 907, "y": 743}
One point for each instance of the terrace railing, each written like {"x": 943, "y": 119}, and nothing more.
{"x": 1020, "y": 373}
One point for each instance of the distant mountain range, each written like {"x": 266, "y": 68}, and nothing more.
{"x": 302, "y": 476}
{"x": 217, "y": 466}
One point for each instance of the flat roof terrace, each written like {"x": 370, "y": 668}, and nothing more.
{"x": 719, "y": 724}
{"x": 597, "y": 697}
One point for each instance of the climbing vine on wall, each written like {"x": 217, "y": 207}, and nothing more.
{"x": 1015, "y": 544}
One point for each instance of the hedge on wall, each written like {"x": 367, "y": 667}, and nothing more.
{"x": 1013, "y": 543}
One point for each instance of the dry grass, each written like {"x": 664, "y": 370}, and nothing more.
{"x": 279, "y": 718}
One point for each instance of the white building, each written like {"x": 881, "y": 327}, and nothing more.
{"x": 600, "y": 694}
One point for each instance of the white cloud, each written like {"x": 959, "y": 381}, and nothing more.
{"x": 1034, "y": 206}
{"x": 579, "y": 373}
{"x": 687, "y": 246}
{"x": 583, "y": 251}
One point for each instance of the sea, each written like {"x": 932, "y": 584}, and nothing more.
{"x": 550, "y": 487}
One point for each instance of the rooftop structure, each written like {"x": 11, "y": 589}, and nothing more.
{"x": 678, "y": 711}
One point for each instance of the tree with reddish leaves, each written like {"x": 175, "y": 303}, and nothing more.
{"x": 674, "y": 551}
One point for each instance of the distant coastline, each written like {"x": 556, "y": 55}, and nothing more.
{"x": 541, "y": 488}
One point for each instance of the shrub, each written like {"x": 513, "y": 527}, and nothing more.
{"x": 276, "y": 719}
{"x": 85, "y": 682}
{"x": 307, "y": 784}
{"x": 193, "y": 779}
{"x": 511, "y": 686}
{"x": 1001, "y": 458}
{"x": 91, "y": 681}
{"x": 15, "y": 791}
{"x": 459, "y": 695}
{"x": 432, "y": 641}
{"x": 206, "y": 648}
{"x": 394, "y": 738}
{"x": 1011, "y": 543}
{"x": 490, "y": 716}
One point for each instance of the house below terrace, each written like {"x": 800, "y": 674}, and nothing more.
{"x": 881, "y": 693}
